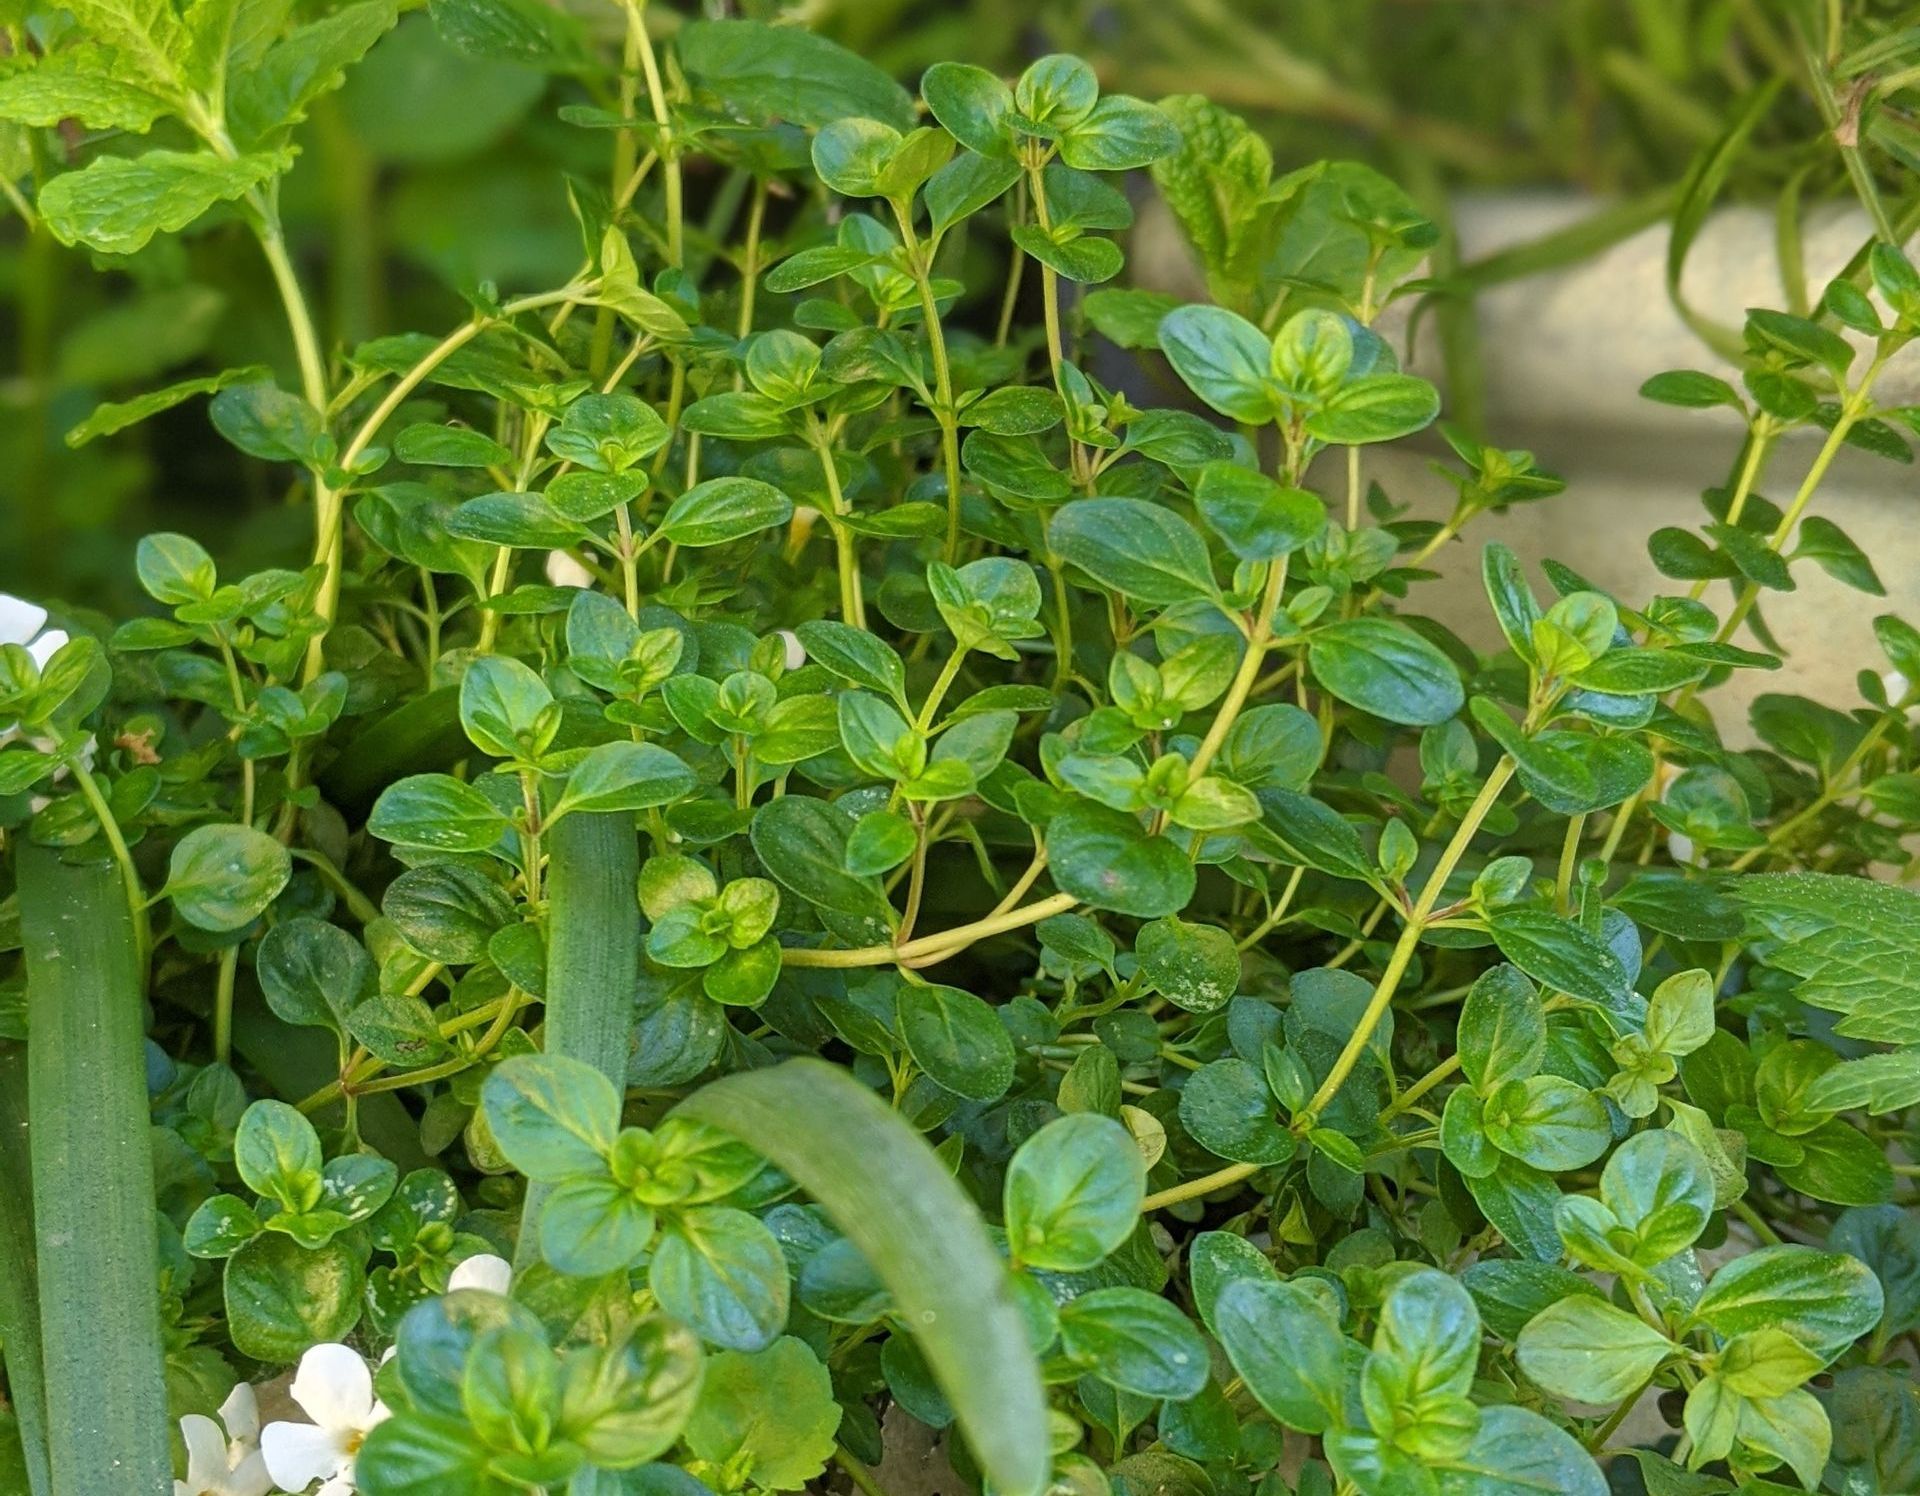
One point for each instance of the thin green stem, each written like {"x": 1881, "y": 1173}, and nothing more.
{"x": 358, "y": 904}
{"x": 1277, "y": 915}
{"x": 136, "y": 896}
{"x": 920, "y": 260}
{"x": 1206, "y": 1184}
{"x": 1049, "y": 281}
{"x": 917, "y": 878}
{"x": 1569, "y": 856}
{"x": 853, "y": 606}
{"x": 937, "y": 693}
{"x": 1420, "y": 1087}
{"x": 1403, "y": 950}
{"x": 669, "y": 152}
{"x": 931, "y": 948}
{"x": 1755, "y": 1223}
{"x": 1835, "y": 787}
{"x": 1016, "y": 269}
{"x": 1852, "y": 409}
{"x": 306, "y": 341}
{"x": 750, "y": 256}
{"x": 1247, "y": 674}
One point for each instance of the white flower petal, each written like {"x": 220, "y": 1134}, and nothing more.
{"x": 46, "y": 646}
{"x": 206, "y": 1451}
{"x": 181, "y": 1488}
{"x": 334, "y": 1386}
{"x": 340, "y": 1485}
{"x": 298, "y": 1454}
{"x": 564, "y": 570}
{"x": 20, "y": 620}
{"x": 1681, "y": 846}
{"x": 241, "y": 1414}
{"x": 484, "y": 1271}
{"x": 796, "y": 655}
{"x": 250, "y": 1477}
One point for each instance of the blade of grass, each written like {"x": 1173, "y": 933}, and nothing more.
{"x": 1698, "y": 194}
{"x": 93, "y": 1189}
{"x": 19, "y": 1306}
{"x": 593, "y": 956}
{"x": 898, "y": 1203}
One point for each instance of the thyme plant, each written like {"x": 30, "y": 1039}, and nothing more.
{"x": 852, "y": 831}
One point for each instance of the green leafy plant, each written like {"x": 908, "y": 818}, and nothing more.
{"x": 1356, "y": 1063}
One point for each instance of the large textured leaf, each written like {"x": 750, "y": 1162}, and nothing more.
{"x": 63, "y": 88}
{"x": 1216, "y": 183}
{"x": 897, "y": 1203}
{"x": 786, "y": 73}
{"x": 309, "y": 62}
{"x": 119, "y": 203}
{"x": 1854, "y": 944}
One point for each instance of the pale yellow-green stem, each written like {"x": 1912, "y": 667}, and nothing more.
{"x": 1852, "y": 409}
{"x": 1247, "y": 674}
{"x": 502, "y": 571}
{"x": 1049, "y": 281}
{"x": 750, "y": 257}
{"x": 853, "y": 606}
{"x": 1206, "y": 1184}
{"x": 306, "y": 342}
{"x": 1403, "y": 950}
{"x": 946, "y": 943}
{"x": 920, "y": 261}
{"x": 669, "y": 153}
{"x": 329, "y": 511}
{"x": 1278, "y": 913}
{"x": 117, "y": 845}
{"x": 1835, "y": 787}
{"x": 941, "y": 685}
{"x": 1759, "y": 444}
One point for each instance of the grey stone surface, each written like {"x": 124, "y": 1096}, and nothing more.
{"x": 1564, "y": 356}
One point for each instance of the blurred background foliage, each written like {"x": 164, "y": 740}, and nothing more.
{"x": 433, "y": 170}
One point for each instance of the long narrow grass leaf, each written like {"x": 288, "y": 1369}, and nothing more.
{"x": 93, "y": 1182}
{"x": 593, "y": 954}
{"x": 898, "y": 1203}
{"x": 19, "y": 1303}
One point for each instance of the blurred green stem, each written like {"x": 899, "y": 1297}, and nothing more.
{"x": 669, "y": 152}
{"x": 920, "y": 257}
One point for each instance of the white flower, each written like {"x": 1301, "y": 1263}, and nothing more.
{"x": 335, "y": 1389}
{"x": 796, "y": 651}
{"x": 485, "y": 1271}
{"x": 564, "y": 570}
{"x": 22, "y": 623}
{"x": 225, "y": 1463}
{"x": 1680, "y": 846}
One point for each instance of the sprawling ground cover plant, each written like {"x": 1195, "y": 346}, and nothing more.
{"x": 806, "y": 864}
